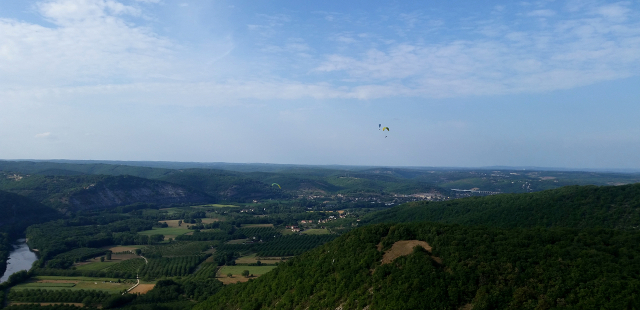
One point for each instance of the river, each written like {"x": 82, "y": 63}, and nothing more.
{"x": 21, "y": 258}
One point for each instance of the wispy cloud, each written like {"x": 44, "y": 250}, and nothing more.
{"x": 569, "y": 52}
{"x": 44, "y": 135}
{"x": 90, "y": 42}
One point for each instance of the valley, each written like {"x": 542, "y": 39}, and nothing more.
{"x": 160, "y": 238}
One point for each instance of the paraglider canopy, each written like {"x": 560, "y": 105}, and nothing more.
{"x": 385, "y": 128}
{"x": 277, "y": 185}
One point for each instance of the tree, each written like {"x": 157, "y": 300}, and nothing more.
{"x": 87, "y": 301}
{"x": 102, "y": 259}
{"x": 138, "y": 251}
{"x": 229, "y": 275}
{"x": 245, "y": 273}
{"x": 180, "y": 223}
{"x": 109, "y": 255}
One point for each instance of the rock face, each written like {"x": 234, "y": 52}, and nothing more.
{"x": 125, "y": 190}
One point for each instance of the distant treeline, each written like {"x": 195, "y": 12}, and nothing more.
{"x": 60, "y": 236}
{"x": 616, "y": 207}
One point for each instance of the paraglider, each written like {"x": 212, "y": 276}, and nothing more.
{"x": 277, "y": 185}
{"x": 383, "y": 128}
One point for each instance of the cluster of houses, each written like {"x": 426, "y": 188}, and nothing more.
{"x": 295, "y": 228}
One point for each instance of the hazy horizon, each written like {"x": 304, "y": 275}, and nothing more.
{"x": 220, "y": 165}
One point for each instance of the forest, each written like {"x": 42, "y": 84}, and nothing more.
{"x": 616, "y": 207}
{"x": 489, "y": 268}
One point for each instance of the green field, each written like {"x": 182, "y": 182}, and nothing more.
{"x": 253, "y": 258}
{"x": 75, "y": 283}
{"x": 167, "y": 231}
{"x": 237, "y": 270}
{"x": 97, "y": 265}
{"x": 215, "y": 205}
{"x": 286, "y": 232}
{"x": 172, "y": 211}
{"x": 256, "y": 225}
{"x": 319, "y": 231}
{"x": 181, "y": 248}
{"x": 237, "y": 241}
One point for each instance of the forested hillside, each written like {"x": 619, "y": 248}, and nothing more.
{"x": 225, "y": 185}
{"x": 5, "y": 248}
{"x": 99, "y": 191}
{"x": 57, "y": 168}
{"x": 18, "y": 212}
{"x": 460, "y": 267}
{"x": 616, "y": 207}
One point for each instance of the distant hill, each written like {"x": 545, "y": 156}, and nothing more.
{"x": 435, "y": 266}
{"x": 86, "y": 167}
{"x": 18, "y": 212}
{"x": 99, "y": 191}
{"x": 616, "y": 207}
{"x": 224, "y": 185}
{"x": 125, "y": 190}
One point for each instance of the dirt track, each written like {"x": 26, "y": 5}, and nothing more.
{"x": 142, "y": 288}
{"x": 402, "y": 248}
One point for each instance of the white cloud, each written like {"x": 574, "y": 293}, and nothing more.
{"x": 90, "y": 43}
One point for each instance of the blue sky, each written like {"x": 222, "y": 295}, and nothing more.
{"x": 543, "y": 83}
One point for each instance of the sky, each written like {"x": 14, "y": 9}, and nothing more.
{"x": 464, "y": 83}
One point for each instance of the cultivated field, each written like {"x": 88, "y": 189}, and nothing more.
{"x": 142, "y": 288}
{"x": 215, "y": 205}
{"x": 74, "y": 283}
{"x": 313, "y": 231}
{"x": 122, "y": 248}
{"x": 181, "y": 248}
{"x": 252, "y": 259}
{"x": 236, "y": 279}
{"x": 96, "y": 264}
{"x": 174, "y": 223}
{"x": 256, "y": 225}
{"x": 237, "y": 241}
{"x": 236, "y": 271}
{"x": 168, "y": 232}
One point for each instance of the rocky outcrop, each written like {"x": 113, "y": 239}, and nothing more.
{"x": 125, "y": 190}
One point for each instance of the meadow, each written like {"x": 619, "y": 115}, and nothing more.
{"x": 237, "y": 270}
{"x": 315, "y": 231}
{"x": 75, "y": 283}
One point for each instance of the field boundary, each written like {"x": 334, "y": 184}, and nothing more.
{"x": 137, "y": 278}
